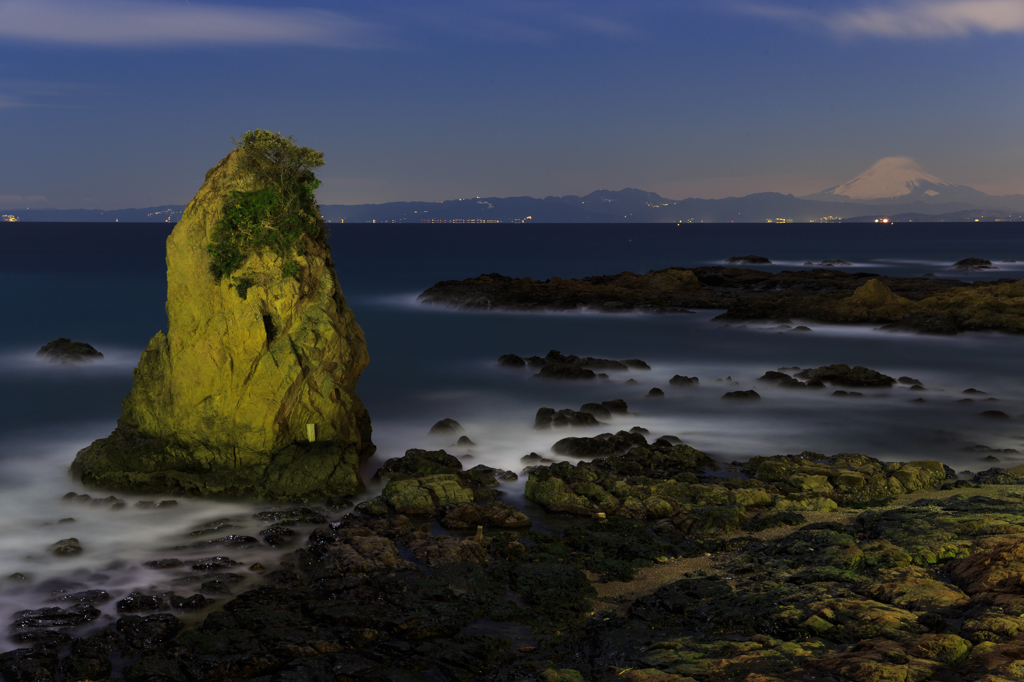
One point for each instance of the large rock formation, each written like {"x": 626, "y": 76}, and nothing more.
{"x": 252, "y": 390}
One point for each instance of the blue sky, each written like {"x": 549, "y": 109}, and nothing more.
{"x": 125, "y": 103}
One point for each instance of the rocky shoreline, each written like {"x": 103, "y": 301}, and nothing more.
{"x": 663, "y": 565}
{"x": 923, "y": 304}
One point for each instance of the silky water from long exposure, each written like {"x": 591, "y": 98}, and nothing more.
{"x": 105, "y": 285}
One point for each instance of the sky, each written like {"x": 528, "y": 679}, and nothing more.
{"x": 126, "y": 103}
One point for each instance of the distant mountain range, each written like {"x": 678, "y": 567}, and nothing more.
{"x": 894, "y": 188}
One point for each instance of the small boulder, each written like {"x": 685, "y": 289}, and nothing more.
{"x": 844, "y": 375}
{"x": 683, "y": 382}
{"x": 163, "y": 564}
{"x": 511, "y": 361}
{"x": 617, "y": 406}
{"x": 598, "y": 410}
{"x": 144, "y": 632}
{"x": 655, "y": 393}
{"x": 599, "y": 446}
{"x": 446, "y": 426}
{"x": 214, "y": 563}
{"x": 65, "y": 351}
{"x": 742, "y": 395}
{"x": 138, "y": 602}
{"x": 464, "y": 442}
{"x": 748, "y": 260}
{"x": 66, "y": 548}
{"x": 547, "y": 418}
{"x": 533, "y": 459}
{"x": 416, "y": 463}
{"x": 425, "y": 496}
{"x": 994, "y": 414}
{"x": 563, "y": 372}
{"x": 973, "y": 264}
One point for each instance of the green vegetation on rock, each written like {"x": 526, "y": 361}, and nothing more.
{"x": 277, "y": 216}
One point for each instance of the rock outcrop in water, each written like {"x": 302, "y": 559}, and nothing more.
{"x": 822, "y": 295}
{"x": 65, "y": 351}
{"x": 252, "y": 389}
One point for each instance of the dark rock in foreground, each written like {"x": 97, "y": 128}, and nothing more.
{"x": 778, "y": 586}
{"x": 65, "y": 351}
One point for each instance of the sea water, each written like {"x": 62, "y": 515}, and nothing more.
{"x": 105, "y": 285}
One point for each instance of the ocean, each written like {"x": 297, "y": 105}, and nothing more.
{"x": 105, "y": 284}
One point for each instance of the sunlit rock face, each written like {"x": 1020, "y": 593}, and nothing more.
{"x": 250, "y": 392}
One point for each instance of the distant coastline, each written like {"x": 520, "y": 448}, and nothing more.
{"x": 603, "y": 206}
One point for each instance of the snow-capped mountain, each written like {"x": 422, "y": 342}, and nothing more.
{"x": 898, "y": 179}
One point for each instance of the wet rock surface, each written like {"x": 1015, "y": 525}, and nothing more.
{"x": 446, "y": 426}
{"x": 924, "y": 304}
{"x": 555, "y": 365}
{"x": 844, "y": 375}
{"x": 793, "y": 567}
{"x": 548, "y": 418}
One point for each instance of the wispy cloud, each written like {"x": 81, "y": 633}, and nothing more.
{"x": 526, "y": 20}
{"x": 17, "y": 94}
{"x": 145, "y": 23}
{"x": 13, "y": 200}
{"x": 908, "y": 19}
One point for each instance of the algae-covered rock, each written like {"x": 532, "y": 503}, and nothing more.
{"x": 252, "y": 389}
{"x": 912, "y": 588}
{"x": 416, "y": 463}
{"x": 426, "y": 495}
{"x": 806, "y": 502}
{"x": 874, "y": 301}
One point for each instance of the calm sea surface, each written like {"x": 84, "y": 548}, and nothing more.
{"x": 105, "y": 284}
